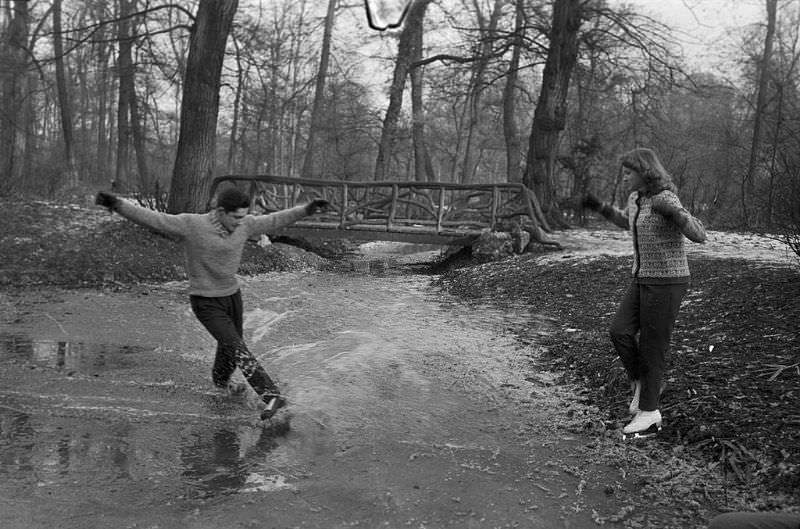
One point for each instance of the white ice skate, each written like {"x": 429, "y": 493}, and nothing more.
{"x": 645, "y": 424}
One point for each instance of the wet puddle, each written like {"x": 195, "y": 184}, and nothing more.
{"x": 358, "y": 356}
{"x": 199, "y": 462}
{"x": 67, "y": 356}
{"x": 57, "y": 430}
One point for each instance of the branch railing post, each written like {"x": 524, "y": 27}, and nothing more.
{"x": 343, "y": 209}
{"x": 495, "y": 200}
{"x": 440, "y": 212}
{"x": 392, "y": 207}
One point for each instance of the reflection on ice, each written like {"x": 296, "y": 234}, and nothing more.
{"x": 359, "y": 357}
{"x": 64, "y": 355}
{"x": 201, "y": 461}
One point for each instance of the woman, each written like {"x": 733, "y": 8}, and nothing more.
{"x": 660, "y": 278}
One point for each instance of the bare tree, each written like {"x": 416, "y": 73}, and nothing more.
{"x": 748, "y": 183}
{"x": 195, "y": 159}
{"x": 15, "y": 58}
{"x": 405, "y": 55}
{"x": 487, "y": 27}
{"x": 550, "y": 116}
{"x": 64, "y": 100}
{"x": 237, "y": 104}
{"x": 423, "y": 167}
{"x": 510, "y": 126}
{"x": 124, "y": 73}
{"x": 310, "y": 165}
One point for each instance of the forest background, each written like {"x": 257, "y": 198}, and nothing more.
{"x": 156, "y": 98}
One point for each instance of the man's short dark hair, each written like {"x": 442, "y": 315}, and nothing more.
{"x": 232, "y": 199}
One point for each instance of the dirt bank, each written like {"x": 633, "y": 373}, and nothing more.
{"x": 734, "y": 382}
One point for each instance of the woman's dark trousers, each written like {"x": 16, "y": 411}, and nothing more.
{"x": 650, "y": 311}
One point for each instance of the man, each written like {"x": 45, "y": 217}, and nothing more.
{"x": 213, "y": 243}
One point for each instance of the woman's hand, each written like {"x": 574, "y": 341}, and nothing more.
{"x": 591, "y": 202}
{"x": 107, "y": 200}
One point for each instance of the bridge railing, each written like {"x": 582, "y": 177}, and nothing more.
{"x": 371, "y": 210}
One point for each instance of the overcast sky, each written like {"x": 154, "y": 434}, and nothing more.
{"x": 708, "y": 29}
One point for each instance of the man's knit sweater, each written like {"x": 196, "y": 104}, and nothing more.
{"x": 212, "y": 253}
{"x": 659, "y": 253}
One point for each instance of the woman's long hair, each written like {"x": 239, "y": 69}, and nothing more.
{"x": 645, "y": 162}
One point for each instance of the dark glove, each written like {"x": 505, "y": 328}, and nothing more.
{"x": 107, "y": 200}
{"x": 591, "y": 202}
{"x": 317, "y": 206}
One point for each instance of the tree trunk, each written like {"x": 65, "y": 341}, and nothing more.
{"x": 122, "y": 182}
{"x": 102, "y": 51}
{"x": 64, "y": 102}
{"x": 761, "y": 101}
{"x": 311, "y": 165}
{"x": 550, "y": 116}
{"x": 237, "y": 102}
{"x": 138, "y": 131}
{"x": 510, "y": 127}
{"x": 405, "y": 54}
{"x": 12, "y": 93}
{"x": 134, "y": 122}
{"x": 473, "y": 102}
{"x": 423, "y": 168}
{"x": 195, "y": 160}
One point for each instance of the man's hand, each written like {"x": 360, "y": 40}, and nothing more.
{"x": 107, "y": 200}
{"x": 317, "y": 206}
{"x": 591, "y": 202}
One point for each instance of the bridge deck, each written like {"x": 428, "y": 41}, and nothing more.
{"x": 364, "y": 232}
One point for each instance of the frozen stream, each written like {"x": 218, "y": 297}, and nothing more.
{"x": 406, "y": 409}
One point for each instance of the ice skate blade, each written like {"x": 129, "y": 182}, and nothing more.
{"x": 273, "y": 406}
{"x": 652, "y": 431}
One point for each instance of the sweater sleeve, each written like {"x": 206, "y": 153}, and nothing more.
{"x": 615, "y": 215}
{"x": 261, "y": 224}
{"x": 165, "y": 223}
{"x": 691, "y": 227}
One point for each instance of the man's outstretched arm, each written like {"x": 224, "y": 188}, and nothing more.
{"x": 161, "y": 222}
{"x": 279, "y": 219}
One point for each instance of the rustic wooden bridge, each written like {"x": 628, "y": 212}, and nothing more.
{"x": 421, "y": 212}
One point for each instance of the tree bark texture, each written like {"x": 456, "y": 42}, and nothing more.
{"x": 405, "y": 54}
{"x": 195, "y": 161}
{"x": 237, "y": 102}
{"x": 550, "y": 116}
{"x": 472, "y": 107}
{"x": 136, "y": 123}
{"x": 312, "y": 161}
{"x": 13, "y": 67}
{"x": 64, "y": 101}
{"x": 423, "y": 168}
{"x": 758, "y": 115}
{"x": 510, "y": 127}
{"x": 122, "y": 182}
